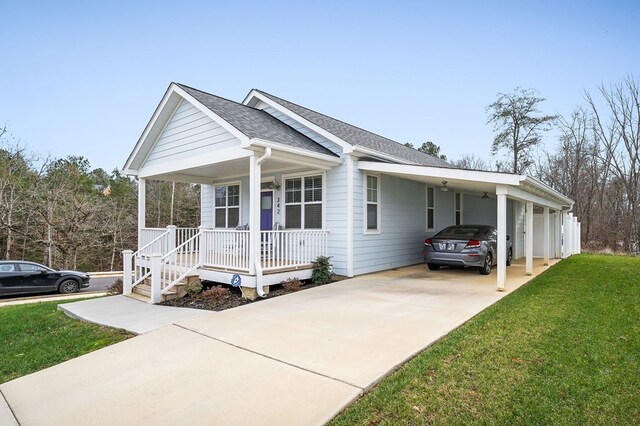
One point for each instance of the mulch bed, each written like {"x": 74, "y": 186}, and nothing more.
{"x": 232, "y": 301}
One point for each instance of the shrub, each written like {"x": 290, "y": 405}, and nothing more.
{"x": 321, "y": 270}
{"x": 216, "y": 294}
{"x": 292, "y": 284}
{"x": 193, "y": 288}
{"x": 115, "y": 288}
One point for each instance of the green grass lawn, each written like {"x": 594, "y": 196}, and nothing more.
{"x": 36, "y": 336}
{"x": 564, "y": 349}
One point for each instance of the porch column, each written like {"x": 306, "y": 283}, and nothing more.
{"x": 254, "y": 219}
{"x": 546, "y": 240}
{"x": 528, "y": 244}
{"x": 142, "y": 196}
{"x": 501, "y": 193}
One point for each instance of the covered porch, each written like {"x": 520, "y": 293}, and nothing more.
{"x": 242, "y": 239}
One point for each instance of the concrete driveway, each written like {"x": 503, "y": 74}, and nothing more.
{"x": 296, "y": 359}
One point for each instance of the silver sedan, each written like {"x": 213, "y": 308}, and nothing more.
{"x": 466, "y": 246}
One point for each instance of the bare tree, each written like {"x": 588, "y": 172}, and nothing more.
{"x": 471, "y": 162}
{"x": 519, "y": 124}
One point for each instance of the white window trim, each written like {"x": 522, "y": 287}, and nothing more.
{"x": 426, "y": 201}
{"x": 455, "y": 210}
{"x": 219, "y": 184}
{"x": 366, "y": 231}
{"x": 284, "y": 197}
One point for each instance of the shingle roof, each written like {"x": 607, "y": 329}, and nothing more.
{"x": 360, "y": 137}
{"x": 253, "y": 122}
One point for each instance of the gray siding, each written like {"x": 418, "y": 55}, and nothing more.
{"x": 189, "y": 133}
{"x": 206, "y": 205}
{"x": 403, "y": 225}
{"x": 518, "y": 239}
{"x": 336, "y": 217}
{"x": 303, "y": 129}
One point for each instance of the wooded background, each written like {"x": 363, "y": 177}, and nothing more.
{"x": 62, "y": 213}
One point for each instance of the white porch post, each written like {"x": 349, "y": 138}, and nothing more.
{"x": 254, "y": 220}
{"x": 350, "y": 178}
{"x": 203, "y": 249}
{"x": 171, "y": 241}
{"x": 501, "y": 193}
{"x": 142, "y": 195}
{"x": 529, "y": 238}
{"x": 126, "y": 271}
{"x": 156, "y": 270}
{"x": 546, "y": 239}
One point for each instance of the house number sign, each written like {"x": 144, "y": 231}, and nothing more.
{"x": 236, "y": 280}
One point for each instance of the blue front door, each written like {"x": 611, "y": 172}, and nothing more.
{"x": 266, "y": 210}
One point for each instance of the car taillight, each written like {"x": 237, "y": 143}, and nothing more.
{"x": 473, "y": 244}
{"x": 427, "y": 242}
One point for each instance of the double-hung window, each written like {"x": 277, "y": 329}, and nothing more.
{"x": 458, "y": 208}
{"x": 372, "y": 203}
{"x": 303, "y": 202}
{"x": 431, "y": 207}
{"x": 227, "y": 206}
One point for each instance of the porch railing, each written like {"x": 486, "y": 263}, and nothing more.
{"x": 148, "y": 235}
{"x": 227, "y": 249}
{"x": 291, "y": 248}
{"x": 176, "y": 265}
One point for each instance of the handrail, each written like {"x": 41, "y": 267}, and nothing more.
{"x": 166, "y": 233}
{"x": 171, "y": 268}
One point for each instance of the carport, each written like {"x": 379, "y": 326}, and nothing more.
{"x": 541, "y": 221}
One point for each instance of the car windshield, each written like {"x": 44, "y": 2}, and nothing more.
{"x": 460, "y": 231}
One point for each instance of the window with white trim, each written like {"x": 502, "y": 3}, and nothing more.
{"x": 227, "y": 206}
{"x": 458, "y": 208}
{"x": 431, "y": 207}
{"x": 303, "y": 202}
{"x": 373, "y": 203}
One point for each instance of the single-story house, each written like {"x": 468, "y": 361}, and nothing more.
{"x": 282, "y": 184}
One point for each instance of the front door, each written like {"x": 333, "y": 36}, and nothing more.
{"x": 266, "y": 210}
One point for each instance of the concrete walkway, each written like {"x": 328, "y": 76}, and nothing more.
{"x": 296, "y": 359}
{"x": 129, "y": 314}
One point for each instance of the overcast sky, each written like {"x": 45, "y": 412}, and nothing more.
{"x": 83, "y": 78}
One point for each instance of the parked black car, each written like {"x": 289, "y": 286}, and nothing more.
{"x": 465, "y": 245}
{"x": 21, "y": 277}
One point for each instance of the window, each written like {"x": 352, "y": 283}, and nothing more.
{"x": 458, "y": 208}
{"x": 28, "y": 267}
{"x": 372, "y": 203}
{"x": 227, "y": 206}
{"x": 303, "y": 202}
{"x": 431, "y": 208}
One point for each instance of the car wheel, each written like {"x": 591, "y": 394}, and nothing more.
{"x": 486, "y": 268}
{"x": 68, "y": 286}
{"x": 509, "y": 257}
{"x": 433, "y": 267}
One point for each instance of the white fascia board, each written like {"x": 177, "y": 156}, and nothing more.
{"x": 184, "y": 178}
{"x": 324, "y": 158}
{"x": 215, "y": 117}
{"x": 442, "y": 173}
{"x": 373, "y": 153}
{"x": 149, "y": 126}
{"x": 206, "y": 159}
{"x": 346, "y": 146}
{"x": 527, "y": 196}
{"x": 547, "y": 189}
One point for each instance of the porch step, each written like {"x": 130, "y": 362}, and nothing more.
{"x": 138, "y": 297}
{"x": 143, "y": 290}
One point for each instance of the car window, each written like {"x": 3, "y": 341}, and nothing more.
{"x": 461, "y": 231}
{"x": 7, "y": 267}
{"x": 28, "y": 267}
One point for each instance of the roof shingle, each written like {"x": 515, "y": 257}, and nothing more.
{"x": 360, "y": 137}
{"x": 253, "y": 122}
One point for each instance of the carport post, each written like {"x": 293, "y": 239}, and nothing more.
{"x": 545, "y": 248}
{"x": 501, "y": 192}
{"x": 142, "y": 194}
{"x": 528, "y": 248}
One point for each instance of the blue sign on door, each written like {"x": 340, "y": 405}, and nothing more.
{"x": 236, "y": 280}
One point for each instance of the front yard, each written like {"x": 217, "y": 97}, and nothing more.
{"x": 564, "y": 349}
{"x": 36, "y": 336}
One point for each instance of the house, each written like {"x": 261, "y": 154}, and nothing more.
{"x": 282, "y": 184}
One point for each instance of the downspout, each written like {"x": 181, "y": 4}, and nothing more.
{"x": 258, "y": 266}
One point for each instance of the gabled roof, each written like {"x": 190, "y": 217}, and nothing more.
{"x": 360, "y": 137}
{"x": 253, "y": 122}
